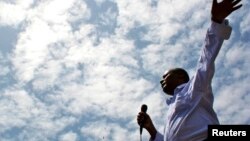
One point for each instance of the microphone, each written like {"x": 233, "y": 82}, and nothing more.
{"x": 144, "y": 108}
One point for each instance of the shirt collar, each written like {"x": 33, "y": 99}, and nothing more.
{"x": 179, "y": 88}
{"x": 169, "y": 100}
{"x": 176, "y": 91}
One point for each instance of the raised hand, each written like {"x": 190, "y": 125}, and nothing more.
{"x": 221, "y": 10}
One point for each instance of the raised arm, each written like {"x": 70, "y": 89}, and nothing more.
{"x": 216, "y": 34}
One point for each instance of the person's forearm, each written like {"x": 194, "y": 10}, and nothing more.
{"x": 152, "y": 131}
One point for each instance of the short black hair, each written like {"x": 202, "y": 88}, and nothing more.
{"x": 181, "y": 72}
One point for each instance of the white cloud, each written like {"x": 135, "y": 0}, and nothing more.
{"x": 16, "y": 106}
{"x": 231, "y": 101}
{"x": 11, "y": 14}
{"x": 101, "y": 130}
{"x": 47, "y": 75}
{"x": 32, "y": 46}
{"x": 69, "y": 137}
{"x": 78, "y": 11}
{"x": 69, "y": 78}
{"x": 237, "y": 54}
{"x": 132, "y": 13}
{"x": 54, "y": 11}
{"x": 20, "y": 110}
{"x": 244, "y": 24}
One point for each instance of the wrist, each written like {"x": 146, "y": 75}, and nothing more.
{"x": 216, "y": 20}
{"x": 152, "y": 131}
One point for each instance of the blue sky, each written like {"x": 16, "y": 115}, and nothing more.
{"x": 79, "y": 70}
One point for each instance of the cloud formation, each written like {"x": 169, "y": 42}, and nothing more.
{"x": 79, "y": 70}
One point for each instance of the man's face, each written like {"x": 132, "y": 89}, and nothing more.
{"x": 168, "y": 83}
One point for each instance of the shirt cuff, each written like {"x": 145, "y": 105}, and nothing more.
{"x": 222, "y": 30}
{"x": 158, "y": 137}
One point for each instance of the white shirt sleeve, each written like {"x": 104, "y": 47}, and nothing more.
{"x": 215, "y": 36}
{"x": 221, "y": 30}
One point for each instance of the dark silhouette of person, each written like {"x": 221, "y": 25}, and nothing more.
{"x": 191, "y": 102}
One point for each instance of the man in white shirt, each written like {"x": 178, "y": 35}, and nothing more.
{"x": 191, "y": 105}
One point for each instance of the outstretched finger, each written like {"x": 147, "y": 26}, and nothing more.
{"x": 237, "y": 7}
{"x": 236, "y": 2}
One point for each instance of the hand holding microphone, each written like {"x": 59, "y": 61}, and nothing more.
{"x": 144, "y": 121}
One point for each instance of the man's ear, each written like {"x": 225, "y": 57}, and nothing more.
{"x": 181, "y": 79}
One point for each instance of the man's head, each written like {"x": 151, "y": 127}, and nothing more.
{"x": 173, "y": 78}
